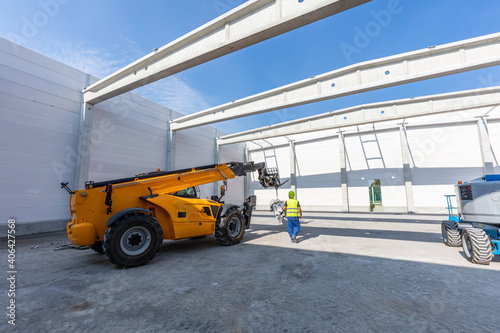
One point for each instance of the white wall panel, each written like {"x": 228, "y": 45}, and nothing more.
{"x": 44, "y": 111}
{"x": 7, "y": 47}
{"x": 39, "y": 117}
{"x": 127, "y": 141}
{"x": 36, "y": 70}
{"x": 195, "y": 147}
{"x": 37, "y": 96}
{"x": 441, "y": 156}
{"x": 445, "y": 146}
{"x": 318, "y": 175}
{"x": 15, "y": 76}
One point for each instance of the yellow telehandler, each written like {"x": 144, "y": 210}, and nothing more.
{"x": 128, "y": 219}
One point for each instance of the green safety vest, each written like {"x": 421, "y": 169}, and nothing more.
{"x": 292, "y": 208}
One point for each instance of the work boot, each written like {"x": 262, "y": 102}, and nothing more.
{"x": 295, "y": 239}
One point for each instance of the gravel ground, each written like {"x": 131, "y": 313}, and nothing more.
{"x": 348, "y": 273}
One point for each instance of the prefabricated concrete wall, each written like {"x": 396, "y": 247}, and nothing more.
{"x": 318, "y": 176}
{"x": 441, "y": 155}
{"x": 40, "y": 105}
{"x": 129, "y": 137}
{"x": 442, "y": 151}
{"x": 370, "y": 156}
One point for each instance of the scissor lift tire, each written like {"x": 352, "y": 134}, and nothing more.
{"x": 477, "y": 246}
{"x": 451, "y": 233}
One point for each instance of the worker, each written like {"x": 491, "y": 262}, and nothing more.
{"x": 293, "y": 214}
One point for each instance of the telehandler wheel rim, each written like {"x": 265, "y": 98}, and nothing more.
{"x": 135, "y": 241}
{"x": 234, "y": 226}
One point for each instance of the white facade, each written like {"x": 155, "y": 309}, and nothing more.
{"x": 40, "y": 105}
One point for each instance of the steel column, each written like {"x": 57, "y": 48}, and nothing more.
{"x": 171, "y": 150}
{"x": 485, "y": 146}
{"x": 293, "y": 169}
{"x": 246, "y": 182}
{"x": 405, "y": 151}
{"x": 84, "y": 145}
{"x": 343, "y": 173}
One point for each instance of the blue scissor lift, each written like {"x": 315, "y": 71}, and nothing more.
{"x": 474, "y": 223}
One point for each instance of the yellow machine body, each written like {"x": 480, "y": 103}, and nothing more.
{"x": 179, "y": 217}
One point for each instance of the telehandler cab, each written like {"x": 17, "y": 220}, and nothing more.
{"x": 128, "y": 219}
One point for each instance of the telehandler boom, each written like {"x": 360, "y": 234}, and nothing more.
{"x": 128, "y": 219}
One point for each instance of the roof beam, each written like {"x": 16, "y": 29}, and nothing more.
{"x": 368, "y": 131}
{"x": 373, "y": 113}
{"x": 435, "y": 61}
{"x": 248, "y": 24}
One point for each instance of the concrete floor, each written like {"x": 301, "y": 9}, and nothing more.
{"x": 349, "y": 273}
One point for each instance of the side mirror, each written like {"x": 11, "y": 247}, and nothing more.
{"x": 223, "y": 189}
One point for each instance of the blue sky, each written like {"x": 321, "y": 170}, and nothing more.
{"x": 99, "y": 37}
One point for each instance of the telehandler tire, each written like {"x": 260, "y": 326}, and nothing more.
{"x": 97, "y": 247}
{"x": 133, "y": 240}
{"x": 231, "y": 228}
{"x": 477, "y": 246}
{"x": 451, "y": 233}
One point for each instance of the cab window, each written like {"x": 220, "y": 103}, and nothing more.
{"x": 189, "y": 192}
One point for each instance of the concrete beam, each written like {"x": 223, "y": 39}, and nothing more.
{"x": 376, "y": 112}
{"x": 433, "y": 62}
{"x": 248, "y": 24}
{"x": 357, "y": 132}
